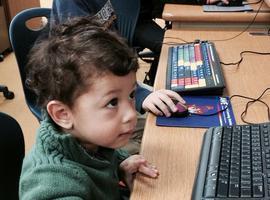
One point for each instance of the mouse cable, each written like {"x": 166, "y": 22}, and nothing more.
{"x": 227, "y": 39}
{"x": 214, "y": 113}
{"x": 244, "y": 30}
{"x": 175, "y": 43}
{"x": 244, "y": 113}
{"x": 241, "y": 57}
{"x": 252, "y": 100}
{"x": 223, "y": 63}
{"x": 172, "y": 43}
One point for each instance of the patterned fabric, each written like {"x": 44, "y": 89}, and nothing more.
{"x": 106, "y": 14}
{"x": 102, "y": 10}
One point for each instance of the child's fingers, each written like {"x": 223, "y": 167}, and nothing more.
{"x": 131, "y": 164}
{"x": 154, "y": 103}
{"x": 174, "y": 95}
{"x": 148, "y": 170}
{"x": 155, "y": 110}
{"x": 138, "y": 163}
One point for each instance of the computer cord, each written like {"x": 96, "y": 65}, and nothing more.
{"x": 241, "y": 57}
{"x": 244, "y": 113}
{"x": 245, "y": 29}
{"x": 227, "y": 39}
{"x": 252, "y": 100}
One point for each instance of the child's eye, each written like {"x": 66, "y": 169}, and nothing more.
{"x": 132, "y": 95}
{"x": 112, "y": 103}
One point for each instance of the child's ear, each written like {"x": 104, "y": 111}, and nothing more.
{"x": 60, "y": 114}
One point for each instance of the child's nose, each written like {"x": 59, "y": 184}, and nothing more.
{"x": 129, "y": 113}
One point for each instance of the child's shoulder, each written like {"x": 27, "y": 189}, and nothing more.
{"x": 48, "y": 160}
{"x": 51, "y": 148}
{"x": 51, "y": 176}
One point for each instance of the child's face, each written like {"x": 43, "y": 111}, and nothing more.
{"x": 105, "y": 115}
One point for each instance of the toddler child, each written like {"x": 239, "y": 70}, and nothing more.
{"x": 85, "y": 80}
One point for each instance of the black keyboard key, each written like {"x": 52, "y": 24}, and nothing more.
{"x": 245, "y": 192}
{"x": 241, "y": 164}
{"x": 234, "y": 190}
{"x": 222, "y": 189}
{"x": 258, "y": 191}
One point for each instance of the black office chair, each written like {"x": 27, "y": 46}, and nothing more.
{"x": 11, "y": 155}
{"x": 3, "y": 88}
{"x": 22, "y": 39}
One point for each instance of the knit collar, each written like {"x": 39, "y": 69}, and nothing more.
{"x": 55, "y": 141}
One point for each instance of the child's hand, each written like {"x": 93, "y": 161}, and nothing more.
{"x": 158, "y": 102}
{"x": 137, "y": 163}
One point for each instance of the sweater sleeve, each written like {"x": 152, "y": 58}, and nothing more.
{"x": 140, "y": 95}
{"x": 121, "y": 155}
{"x": 54, "y": 182}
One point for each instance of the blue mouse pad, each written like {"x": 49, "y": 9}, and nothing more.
{"x": 202, "y": 105}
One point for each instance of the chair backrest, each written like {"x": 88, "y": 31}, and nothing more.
{"x": 11, "y": 155}
{"x": 127, "y": 13}
{"x": 22, "y": 39}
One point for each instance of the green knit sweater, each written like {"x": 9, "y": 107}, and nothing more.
{"x": 59, "y": 168}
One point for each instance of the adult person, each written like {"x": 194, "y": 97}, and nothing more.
{"x": 148, "y": 34}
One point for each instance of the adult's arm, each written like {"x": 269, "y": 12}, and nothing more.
{"x": 63, "y": 10}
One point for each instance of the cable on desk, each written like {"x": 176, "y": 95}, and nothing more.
{"x": 245, "y": 29}
{"x": 227, "y": 39}
{"x": 214, "y": 113}
{"x": 176, "y": 43}
{"x": 241, "y": 57}
{"x": 253, "y": 100}
{"x": 244, "y": 113}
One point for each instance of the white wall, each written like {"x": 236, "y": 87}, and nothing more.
{"x": 46, "y": 3}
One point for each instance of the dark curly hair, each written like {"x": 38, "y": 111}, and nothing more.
{"x": 76, "y": 54}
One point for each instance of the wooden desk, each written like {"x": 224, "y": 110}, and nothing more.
{"x": 175, "y": 151}
{"x": 192, "y": 16}
{"x": 267, "y": 2}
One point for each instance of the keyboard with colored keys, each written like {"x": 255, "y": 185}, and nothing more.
{"x": 194, "y": 68}
{"x": 234, "y": 163}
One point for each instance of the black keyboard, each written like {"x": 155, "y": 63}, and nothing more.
{"x": 234, "y": 163}
{"x": 194, "y": 68}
